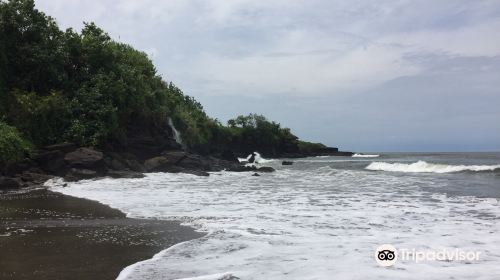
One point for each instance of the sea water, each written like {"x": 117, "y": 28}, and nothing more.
{"x": 320, "y": 218}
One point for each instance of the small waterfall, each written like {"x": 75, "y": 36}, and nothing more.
{"x": 177, "y": 134}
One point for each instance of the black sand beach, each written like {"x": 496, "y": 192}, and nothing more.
{"x": 46, "y": 235}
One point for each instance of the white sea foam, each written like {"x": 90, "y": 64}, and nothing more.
{"x": 365, "y": 156}
{"x": 303, "y": 224}
{"x": 258, "y": 159}
{"x": 422, "y": 166}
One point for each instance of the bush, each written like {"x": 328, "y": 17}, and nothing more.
{"x": 43, "y": 119}
{"x": 13, "y": 147}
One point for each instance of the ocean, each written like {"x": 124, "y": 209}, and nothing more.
{"x": 320, "y": 218}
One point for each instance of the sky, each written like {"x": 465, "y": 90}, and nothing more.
{"x": 358, "y": 75}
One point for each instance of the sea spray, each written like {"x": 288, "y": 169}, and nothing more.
{"x": 258, "y": 158}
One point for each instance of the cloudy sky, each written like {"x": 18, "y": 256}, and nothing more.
{"x": 361, "y": 75}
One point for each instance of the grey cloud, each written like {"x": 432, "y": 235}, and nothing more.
{"x": 379, "y": 75}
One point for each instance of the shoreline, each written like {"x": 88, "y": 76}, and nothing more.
{"x": 48, "y": 235}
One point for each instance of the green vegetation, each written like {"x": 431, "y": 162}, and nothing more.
{"x": 86, "y": 88}
{"x": 12, "y": 146}
{"x": 308, "y": 147}
{"x": 255, "y": 133}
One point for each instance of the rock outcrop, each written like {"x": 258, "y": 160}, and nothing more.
{"x": 9, "y": 183}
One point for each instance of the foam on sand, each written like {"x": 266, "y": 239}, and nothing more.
{"x": 425, "y": 167}
{"x": 302, "y": 224}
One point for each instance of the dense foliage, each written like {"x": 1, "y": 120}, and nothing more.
{"x": 82, "y": 87}
{"x": 12, "y": 146}
{"x": 86, "y": 88}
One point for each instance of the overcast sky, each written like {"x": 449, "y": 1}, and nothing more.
{"x": 360, "y": 75}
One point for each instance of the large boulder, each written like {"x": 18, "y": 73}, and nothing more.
{"x": 229, "y": 156}
{"x": 123, "y": 161}
{"x": 85, "y": 158}
{"x": 51, "y": 158}
{"x": 195, "y": 162}
{"x": 35, "y": 178}
{"x": 51, "y": 162}
{"x": 75, "y": 174}
{"x": 175, "y": 155}
{"x": 134, "y": 165}
{"x": 9, "y": 183}
{"x": 62, "y": 147}
{"x": 158, "y": 164}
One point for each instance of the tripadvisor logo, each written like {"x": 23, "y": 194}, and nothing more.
{"x": 387, "y": 255}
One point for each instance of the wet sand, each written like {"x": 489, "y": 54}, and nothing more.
{"x": 46, "y": 235}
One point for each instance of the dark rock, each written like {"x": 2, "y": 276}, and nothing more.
{"x": 114, "y": 161}
{"x": 256, "y": 174}
{"x": 34, "y": 178}
{"x": 76, "y": 174}
{"x": 19, "y": 167}
{"x": 195, "y": 162}
{"x": 229, "y": 156}
{"x": 287, "y": 162}
{"x": 85, "y": 158}
{"x": 175, "y": 156}
{"x": 63, "y": 147}
{"x": 147, "y": 140}
{"x": 266, "y": 169}
{"x": 217, "y": 164}
{"x": 327, "y": 150}
{"x": 116, "y": 164}
{"x": 161, "y": 163}
{"x": 123, "y": 161}
{"x": 124, "y": 174}
{"x": 343, "y": 154}
{"x": 134, "y": 165}
{"x": 9, "y": 183}
{"x": 252, "y": 158}
{"x": 51, "y": 162}
{"x": 242, "y": 168}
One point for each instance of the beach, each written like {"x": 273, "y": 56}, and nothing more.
{"x": 47, "y": 235}
{"x": 320, "y": 217}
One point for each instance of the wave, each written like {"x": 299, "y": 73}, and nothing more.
{"x": 365, "y": 156}
{"x": 258, "y": 158}
{"x": 425, "y": 167}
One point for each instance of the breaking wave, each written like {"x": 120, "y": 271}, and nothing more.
{"x": 258, "y": 158}
{"x": 425, "y": 167}
{"x": 365, "y": 156}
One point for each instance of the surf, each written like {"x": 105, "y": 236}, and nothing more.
{"x": 426, "y": 167}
